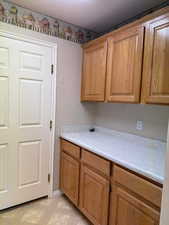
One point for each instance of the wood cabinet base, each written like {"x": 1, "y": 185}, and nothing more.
{"x": 85, "y": 178}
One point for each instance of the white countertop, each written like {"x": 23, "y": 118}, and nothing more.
{"x": 142, "y": 155}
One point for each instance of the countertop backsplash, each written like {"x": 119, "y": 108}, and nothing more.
{"x": 123, "y": 117}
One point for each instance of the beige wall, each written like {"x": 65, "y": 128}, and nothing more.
{"x": 123, "y": 117}
{"x": 69, "y": 109}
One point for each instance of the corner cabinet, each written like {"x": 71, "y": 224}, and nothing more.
{"x": 94, "y": 72}
{"x": 124, "y": 65}
{"x": 156, "y": 62}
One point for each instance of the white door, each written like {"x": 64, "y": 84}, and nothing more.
{"x": 25, "y": 112}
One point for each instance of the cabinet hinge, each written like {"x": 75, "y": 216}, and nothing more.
{"x": 52, "y": 69}
{"x": 51, "y": 124}
{"x": 48, "y": 177}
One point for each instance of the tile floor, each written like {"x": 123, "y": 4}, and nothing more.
{"x": 56, "y": 211}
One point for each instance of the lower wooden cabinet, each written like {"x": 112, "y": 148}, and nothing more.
{"x": 126, "y": 209}
{"x": 69, "y": 177}
{"x": 94, "y": 196}
{"x": 85, "y": 179}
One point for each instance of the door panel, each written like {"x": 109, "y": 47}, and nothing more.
{"x": 3, "y": 167}
{"x": 156, "y": 66}
{"x": 30, "y": 61}
{"x": 4, "y": 86}
{"x": 4, "y": 61}
{"x": 30, "y": 108}
{"x": 4, "y": 101}
{"x": 26, "y": 89}
{"x": 125, "y": 50}
{"x": 32, "y": 64}
{"x": 29, "y": 173}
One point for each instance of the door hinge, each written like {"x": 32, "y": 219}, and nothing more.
{"x": 48, "y": 177}
{"x": 51, "y": 124}
{"x": 52, "y": 69}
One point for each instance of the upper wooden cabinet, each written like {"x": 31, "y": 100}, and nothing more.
{"x": 156, "y": 62}
{"x": 124, "y": 65}
{"x": 94, "y": 72}
{"x": 134, "y": 61}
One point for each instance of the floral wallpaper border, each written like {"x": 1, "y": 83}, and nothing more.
{"x": 16, "y": 15}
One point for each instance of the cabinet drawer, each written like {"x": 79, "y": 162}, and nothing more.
{"x": 70, "y": 149}
{"x": 96, "y": 162}
{"x": 140, "y": 186}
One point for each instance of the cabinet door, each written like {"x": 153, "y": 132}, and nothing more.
{"x": 94, "y": 72}
{"x": 156, "y": 62}
{"x": 125, "y": 209}
{"x": 94, "y": 196}
{"x": 124, "y": 69}
{"x": 69, "y": 177}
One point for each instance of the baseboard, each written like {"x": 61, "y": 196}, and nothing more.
{"x": 57, "y": 193}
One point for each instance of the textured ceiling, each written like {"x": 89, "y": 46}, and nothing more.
{"x": 96, "y": 15}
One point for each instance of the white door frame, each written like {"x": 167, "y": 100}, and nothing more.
{"x": 53, "y": 46}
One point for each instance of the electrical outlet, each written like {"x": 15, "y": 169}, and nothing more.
{"x": 139, "y": 125}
